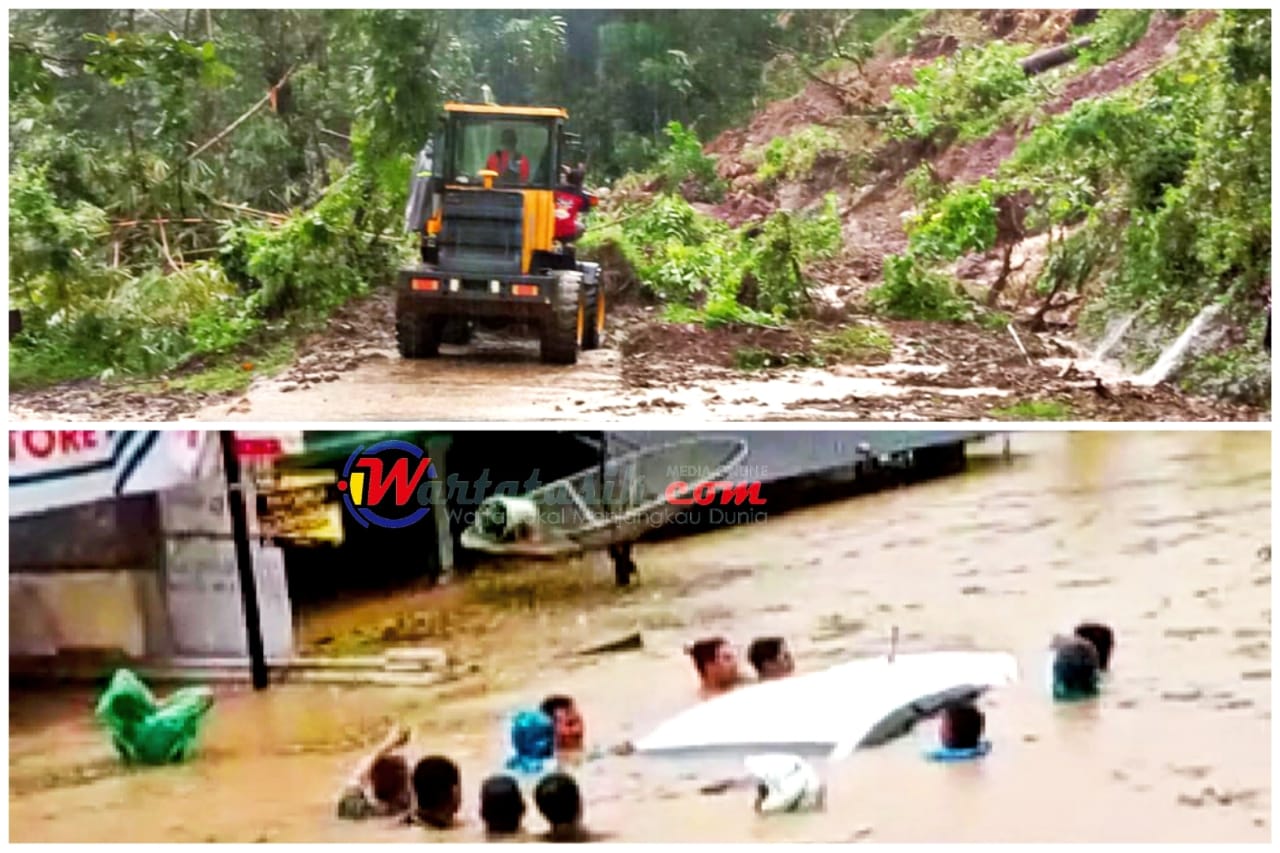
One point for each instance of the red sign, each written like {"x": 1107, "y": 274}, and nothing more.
{"x": 259, "y": 448}
{"x": 45, "y": 444}
{"x": 723, "y": 492}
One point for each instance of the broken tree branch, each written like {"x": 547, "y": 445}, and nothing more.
{"x": 229, "y": 129}
{"x": 164, "y": 244}
{"x": 244, "y": 208}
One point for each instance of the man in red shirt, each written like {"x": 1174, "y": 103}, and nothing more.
{"x": 572, "y": 204}
{"x": 511, "y": 167}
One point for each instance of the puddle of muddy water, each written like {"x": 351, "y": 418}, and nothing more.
{"x": 1038, "y": 544}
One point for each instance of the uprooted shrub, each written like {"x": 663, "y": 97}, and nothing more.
{"x": 698, "y": 265}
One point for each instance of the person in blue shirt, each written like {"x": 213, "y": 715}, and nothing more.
{"x": 960, "y": 734}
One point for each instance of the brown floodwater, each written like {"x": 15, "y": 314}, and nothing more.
{"x": 1166, "y": 536}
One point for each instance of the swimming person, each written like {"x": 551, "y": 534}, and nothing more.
{"x": 379, "y": 786}
{"x": 560, "y": 802}
{"x": 717, "y": 666}
{"x": 1102, "y": 638}
{"x": 501, "y": 806}
{"x": 771, "y": 658}
{"x": 570, "y": 732}
{"x": 437, "y": 791}
{"x": 1075, "y": 669}
{"x": 533, "y": 740}
{"x": 961, "y": 726}
{"x": 960, "y": 730}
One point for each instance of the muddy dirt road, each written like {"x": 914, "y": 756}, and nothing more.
{"x": 652, "y": 371}
{"x": 1166, "y": 536}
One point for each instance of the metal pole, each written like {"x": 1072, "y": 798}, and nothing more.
{"x": 244, "y": 561}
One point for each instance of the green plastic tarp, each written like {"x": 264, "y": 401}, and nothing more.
{"x": 147, "y": 731}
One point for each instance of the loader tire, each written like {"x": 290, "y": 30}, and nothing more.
{"x": 560, "y": 333}
{"x": 418, "y": 337}
{"x": 592, "y": 321}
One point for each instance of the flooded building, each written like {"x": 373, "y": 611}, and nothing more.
{"x": 148, "y": 572}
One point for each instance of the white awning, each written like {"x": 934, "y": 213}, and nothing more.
{"x": 50, "y": 469}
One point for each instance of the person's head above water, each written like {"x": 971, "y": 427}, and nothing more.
{"x": 961, "y": 726}
{"x": 501, "y": 805}
{"x": 533, "y": 735}
{"x": 508, "y": 139}
{"x": 564, "y": 714}
{"x": 1102, "y": 638}
{"x": 559, "y": 801}
{"x": 1075, "y": 669}
{"x": 771, "y": 658}
{"x": 389, "y": 781}
{"x": 437, "y": 790}
{"x": 716, "y": 663}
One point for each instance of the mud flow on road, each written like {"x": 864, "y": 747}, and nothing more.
{"x": 1163, "y": 535}
{"x": 650, "y": 371}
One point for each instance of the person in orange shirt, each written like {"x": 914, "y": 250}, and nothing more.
{"x": 511, "y": 166}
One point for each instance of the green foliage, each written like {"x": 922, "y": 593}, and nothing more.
{"x": 912, "y": 291}
{"x": 924, "y": 185}
{"x": 995, "y": 321}
{"x": 683, "y": 163}
{"x": 699, "y": 265}
{"x": 1034, "y": 410}
{"x": 1073, "y": 261}
{"x": 147, "y": 324}
{"x": 1237, "y": 374}
{"x": 857, "y": 343}
{"x": 320, "y": 257}
{"x": 1161, "y": 192}
{"x": 901, "y": 36}
{"x": 964, "y": 96}
{"x": 51, "y": 247}
{"x": 1115, "y": 31}
{"x": 1173, "y": 174}
{"x": 960, "y": 222}
{"x": 792, "y": 157}
{"x": 786, "y": 243}
{"x": 751, "y": 359}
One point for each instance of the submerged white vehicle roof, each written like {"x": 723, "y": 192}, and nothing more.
{"x": 836, "y": 709}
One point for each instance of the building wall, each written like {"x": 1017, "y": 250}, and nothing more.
{"x": 149, "y": 576}
{"x": 202, "y": 580}
{"x": 87, "y": 577}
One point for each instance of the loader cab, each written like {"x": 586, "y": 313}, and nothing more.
{"x": 498, "y": 217}
{"x": 526, "y": 148}
{"x": 476, "y": 141}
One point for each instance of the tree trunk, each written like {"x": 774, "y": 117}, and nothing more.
{"x": 1006, "y": 266}
{"x": 1038, "y": 63}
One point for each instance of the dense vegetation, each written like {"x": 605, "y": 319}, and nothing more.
{"x": 1156, "y": 198}
{"x": 183, "y": 181}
